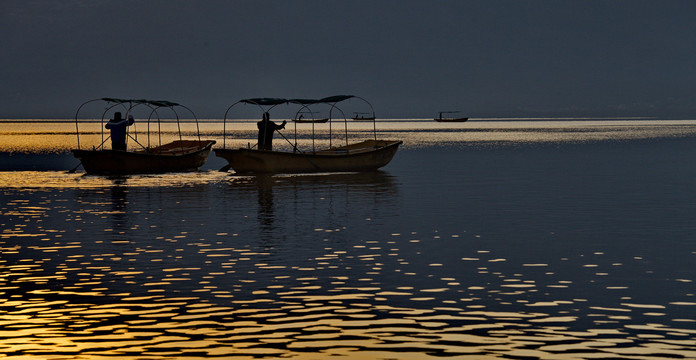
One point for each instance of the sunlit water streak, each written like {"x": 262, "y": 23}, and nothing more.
{"x": 556, "y": 250}
{"x": 59, "y": 136}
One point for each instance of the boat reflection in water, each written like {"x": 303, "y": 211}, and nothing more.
{"x": 287, "y": 203}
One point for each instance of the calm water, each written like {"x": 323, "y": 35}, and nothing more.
{"x": 509, "y": 239}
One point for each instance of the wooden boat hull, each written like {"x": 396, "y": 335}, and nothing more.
{"x": 365, "y": 156}
{"x": 451, "y": 119}
{"x": 177, "y": 156}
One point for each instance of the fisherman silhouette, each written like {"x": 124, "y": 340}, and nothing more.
{"x": 118, "y": 125}
{"x": 266, "y": 129}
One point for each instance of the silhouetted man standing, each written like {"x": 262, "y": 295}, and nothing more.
{"x": 117, "y": 125}
{"x": 266, "y": 129}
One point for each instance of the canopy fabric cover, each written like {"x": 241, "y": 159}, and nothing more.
{"x": 326, "y": 100}
{"x": 278, "y": 101}
{"x": 336, "y": 98}
{"x": 158, "y": 103}
{"x": 162, "y": 103}
{"x": 264, "y": 101}
{"x": 303, "y": 101}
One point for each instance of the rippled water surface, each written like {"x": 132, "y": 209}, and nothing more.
{"x": 467, "y": 245}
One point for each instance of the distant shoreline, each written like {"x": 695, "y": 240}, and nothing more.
{"x": 474, "y": 119}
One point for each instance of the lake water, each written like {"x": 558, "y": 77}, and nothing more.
{"x": 494, "y": 238}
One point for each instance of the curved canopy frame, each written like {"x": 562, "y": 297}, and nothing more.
{"x": 128, "y": 105}
{"x": 264, "y": 104}
{"x": 267, "y": 104}
{"x": 306, "y": 109}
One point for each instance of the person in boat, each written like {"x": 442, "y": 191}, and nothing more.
{"x": 266, "y": 129}
{"x": 118, "y": 125}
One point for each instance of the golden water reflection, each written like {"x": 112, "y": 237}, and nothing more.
{"x": 158, "y": 327}
{"x": 211, "y": 265}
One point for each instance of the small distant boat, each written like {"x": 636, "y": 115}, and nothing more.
{"x": 366, "y": 155}
{"x": 310, "y": 121}
{"x": 364, "y": 117}
{"x": 176, "y": 156}
{"x": 450, "y": 119}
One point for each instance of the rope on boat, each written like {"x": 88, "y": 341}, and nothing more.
{"x": 137, "y": 142}
{"x": 295, "y": 149}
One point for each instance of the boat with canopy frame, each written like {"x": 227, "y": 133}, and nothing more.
{"x": 149, "y": 158}
{"x": 366, "y": 155}
{"x": 450, "y": 119}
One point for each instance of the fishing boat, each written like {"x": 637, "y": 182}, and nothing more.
{"x": 364, "y": 116}
{"x": 450, "y": 119}
{"x": 310, "y": 120}
{"x": 176, "y": 156}
{"x": 363, "y": 156}
{"x": 366, "y": 155}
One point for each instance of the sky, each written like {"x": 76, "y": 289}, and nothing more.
{"x": 488, "y": 58}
